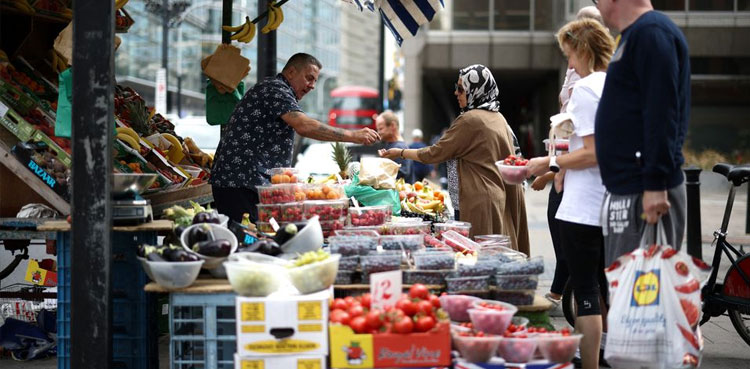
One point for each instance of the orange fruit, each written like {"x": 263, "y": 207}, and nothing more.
{"x": 285, "y": 178}
{"x": 292, "y": 179}
{"x": 333, "y": 195}
{"x": 326, "y": 189}
{"x": 318, "y": 194}
{"x": 418, "y": 186}
{"x": 276, "y": 179}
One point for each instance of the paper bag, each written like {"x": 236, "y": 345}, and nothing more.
{"x": 380, "y": 173}
{"x": 226, "y": 66}
{"x": 64, "y": 43}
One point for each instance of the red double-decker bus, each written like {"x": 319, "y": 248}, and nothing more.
{"x": 354, "y": 107}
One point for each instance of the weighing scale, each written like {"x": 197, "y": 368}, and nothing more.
{"x": 128, "y": 207}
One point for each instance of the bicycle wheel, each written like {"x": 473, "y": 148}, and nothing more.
{"x": 569, "y": 304}
{"x": 735, "y": 286}
{"x": 741, "y": 323}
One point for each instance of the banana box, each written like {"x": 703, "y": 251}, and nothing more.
{"x": 283, "y": 325}
{"x": 273, "y": 362}
{"x": 15, "y": 123}
{"x": 389, "y": 350}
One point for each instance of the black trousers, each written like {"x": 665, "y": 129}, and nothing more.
{"x": 561, "y": 266}
{"x": 583, "y": 246}
{"x": 234, "y": 202}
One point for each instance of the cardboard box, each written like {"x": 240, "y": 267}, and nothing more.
{"x": 39, "y": 276}
{"x": 350, "y": 350}
{"x": 286, "y": 362}
{"x": 15, "y": 123}
{"x": 283, "y": 325}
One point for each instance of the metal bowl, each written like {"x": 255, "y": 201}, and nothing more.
{"x": 131, "y": 183}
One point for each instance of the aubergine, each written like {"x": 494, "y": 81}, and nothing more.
{"x": 215, "y": 248}
{"x": 155, "y": 256}
{"x": 207, "y": 217}
{"x": 178, "y": 255}
{"x": 285, "y": 233}
{"x": 198, "y": 234}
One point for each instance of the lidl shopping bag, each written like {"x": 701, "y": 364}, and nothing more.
{"x": 655, "y": 307}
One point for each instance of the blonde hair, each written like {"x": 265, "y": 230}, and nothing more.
{"x": 589, "y": 40}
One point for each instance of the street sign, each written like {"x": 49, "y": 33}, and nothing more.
{"x": 161, "y": 91}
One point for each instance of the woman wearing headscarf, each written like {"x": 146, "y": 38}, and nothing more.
{"x": 476, "y": 139}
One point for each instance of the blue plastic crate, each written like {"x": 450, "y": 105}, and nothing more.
{"x": 202, "y": 331}
{"x": 130, "y": 312}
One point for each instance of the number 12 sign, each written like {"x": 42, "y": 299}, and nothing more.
{"x": 385, "y": 289}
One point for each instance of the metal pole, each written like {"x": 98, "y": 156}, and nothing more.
{"x": 692, "y": 187}
{"x": 747, "y": 212}
{"x": 381, "y": 66}
{"x": 165, "y": 46}
{"x": 92, "y": 122}
{"x": 266, "y": 47}
{"x": 226, "y": 20}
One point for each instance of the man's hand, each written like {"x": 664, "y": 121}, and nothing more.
{"x": 537, "y": 166}
{"x": 366, "y": 136}
{"x": 390, "y": 153}
{"x": 655, "y": 204}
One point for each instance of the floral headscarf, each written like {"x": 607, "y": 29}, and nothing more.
{"x": 481, "y": 89}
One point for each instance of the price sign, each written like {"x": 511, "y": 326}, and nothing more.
{"x": 385, "y": 289}
{"x": 3, "y": 110}
{"x": 274, "y": 224}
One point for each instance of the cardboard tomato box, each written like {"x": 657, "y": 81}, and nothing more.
{"x": 35, "y": 274}
{"x": 350, "y": 350}
{"x": 283, "y": 325}
{"x": 288, "y": 361}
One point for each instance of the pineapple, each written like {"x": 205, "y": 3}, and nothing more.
{"x": 342, "y": 157}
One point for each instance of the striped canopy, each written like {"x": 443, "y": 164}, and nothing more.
{"x": 403, "y": 17}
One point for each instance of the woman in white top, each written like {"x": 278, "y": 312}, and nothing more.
{"x": 588, "y": 47}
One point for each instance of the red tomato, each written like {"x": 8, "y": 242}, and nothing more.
{"x": 403, "y": 325}
{"x": 366, "y": 300}
{"x": 374, "y": 318}
{"x": 435, "y": 301}
{"x": 425, "y": 324}
{"x": 359, "y": 325}
{"x": 409, "y": 308}
{"x": 419, "y": 291}
{"x": 355, "y": 311}
{"x": 339, "y": 316}
{"x": 349, "y": 300}
{"x": 339, "y": 304}
{"x": 424, "y": 307}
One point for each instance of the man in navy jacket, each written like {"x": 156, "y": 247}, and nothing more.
{"x": 641, "y": 124}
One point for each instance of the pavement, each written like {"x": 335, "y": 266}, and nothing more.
{"x": 724, "y": 349}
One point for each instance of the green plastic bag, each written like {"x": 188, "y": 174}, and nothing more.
{"x": 64, "y": 106}
{"x": 368, "y": 196}
{"x": 219, "y": 107}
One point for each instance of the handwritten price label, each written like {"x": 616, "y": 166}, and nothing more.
{"x": 385, "y": 288}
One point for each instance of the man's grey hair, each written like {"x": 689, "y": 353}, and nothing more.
{"x": 590, "y": 12}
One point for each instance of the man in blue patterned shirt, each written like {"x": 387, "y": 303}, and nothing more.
{"x": 260, "y": 136}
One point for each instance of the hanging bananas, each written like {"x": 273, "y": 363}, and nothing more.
{"x": 120, "y": 3}
{"x": 275, "y": 17}
{"x": 242, "y": 33}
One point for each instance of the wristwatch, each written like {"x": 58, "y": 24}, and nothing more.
{"x": 553, "y": 164}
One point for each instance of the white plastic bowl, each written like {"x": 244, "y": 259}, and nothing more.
{"x": 310, "y": 238}
{"x": 213, "y": 264}
{"x": 172, "y": 274}
{"x": 316, "y": 276}
{"x": 249, "y": 278}
{"x": 512, "y": 174}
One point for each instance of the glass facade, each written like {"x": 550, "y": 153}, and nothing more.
{"x": 502, "y": 15}
{"x": 310, "y": 26}
{"x": 702, "y": 5}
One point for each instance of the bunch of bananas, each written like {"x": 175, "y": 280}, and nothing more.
{"x": 275, "y": 17}
{"x": 245, "y": 32}
{"x": 59, "y": 63}
{"x": 24, "y": 7}
{"x": 129, "y": 136}
{"x": 120, "y": 3}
